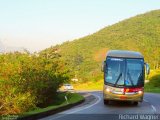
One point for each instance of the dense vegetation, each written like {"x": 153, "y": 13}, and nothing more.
{"x": 154, "y": 82}
{"x": 29, "y": 81}
{"x": 140, "y": 33}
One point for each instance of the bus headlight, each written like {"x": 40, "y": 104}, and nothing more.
{"x": 108, "y": 90}
{"x": 140, "y": 92}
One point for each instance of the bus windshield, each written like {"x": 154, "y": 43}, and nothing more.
{"x": 134, "y": 72}
{"x": 124, "y": 72}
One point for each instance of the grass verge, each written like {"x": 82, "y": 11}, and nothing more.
{"x": 152, "y": 89}
{"x": 60, "y": 104}
{"x": 154, "y": 82}
{"x": 89, "y": 85}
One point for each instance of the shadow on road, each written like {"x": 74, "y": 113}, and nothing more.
{"x": 121, "y": 104}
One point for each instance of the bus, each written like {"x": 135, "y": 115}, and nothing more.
{"x": 124, "y": 76}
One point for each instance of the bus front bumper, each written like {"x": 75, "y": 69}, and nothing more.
{"x": 123, "y": 97}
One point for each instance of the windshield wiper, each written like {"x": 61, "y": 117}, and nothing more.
{"x": 130, "y": 78}
{"x": 140, "y": 81}
{"x": 118, "y": 79}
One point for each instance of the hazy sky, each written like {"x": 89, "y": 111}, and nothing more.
{"x": 38, "y": 24}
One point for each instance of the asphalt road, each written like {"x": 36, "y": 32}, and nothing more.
{"x": 96, "y": 110}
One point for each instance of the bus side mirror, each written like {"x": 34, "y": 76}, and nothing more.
{"x": 103, "y": 66}
{"x": 147, "y": 68}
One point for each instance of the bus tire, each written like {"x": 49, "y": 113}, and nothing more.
{"x": 106, "y": 102}
{"x": 135, "y": 103}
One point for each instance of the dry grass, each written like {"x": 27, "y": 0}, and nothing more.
{"x": 89, "y": 85}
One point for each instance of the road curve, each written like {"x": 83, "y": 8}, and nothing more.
{"x": 97, "y": 110}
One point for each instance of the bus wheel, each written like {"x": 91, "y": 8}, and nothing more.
{"x": 135, "y": 103}
{"x": 106, "y": 102}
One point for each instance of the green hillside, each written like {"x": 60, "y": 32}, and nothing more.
{"x": 140, "y": 33}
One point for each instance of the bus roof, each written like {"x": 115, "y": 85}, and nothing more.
{"x": 124, "y": 54}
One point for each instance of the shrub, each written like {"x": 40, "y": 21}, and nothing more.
{"x": 29, "y": 81}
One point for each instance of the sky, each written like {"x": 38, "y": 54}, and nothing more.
{"x": 39, "y": 24}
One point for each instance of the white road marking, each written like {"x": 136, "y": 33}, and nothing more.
{"x": 99, "y": 99}
{"x": 74, "y": 111}
{"x": 154, "y": 109}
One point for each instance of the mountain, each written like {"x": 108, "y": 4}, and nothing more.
{"x": 6, "y": 49}
{"x": 140, "y": 33}
{"x": 2, "y": 47}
